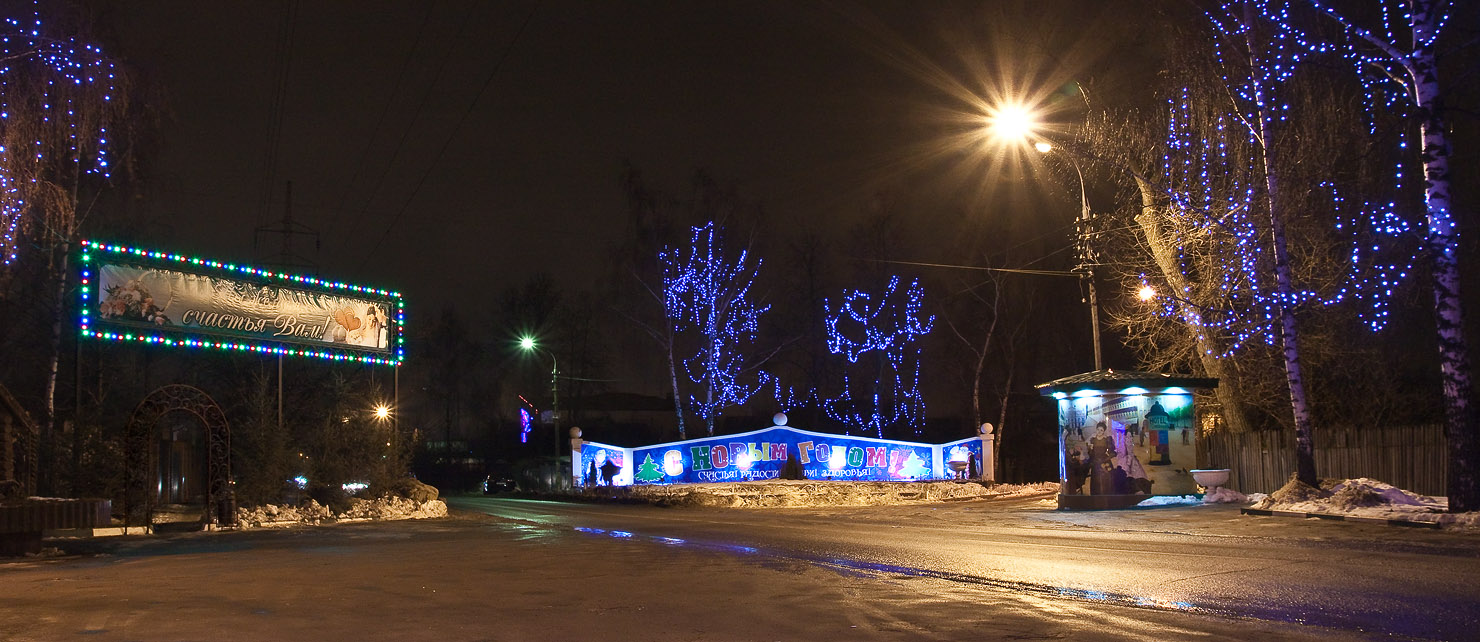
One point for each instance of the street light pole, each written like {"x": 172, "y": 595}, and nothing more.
{"x": 528, "y": 344}
{"x": 555, "y": 399}
{"x": 1018, "y": 123}
{"x": 1087, "y": 262}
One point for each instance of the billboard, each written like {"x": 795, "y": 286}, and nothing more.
{"x": 1128, "y": 443}
{"x": 760, "y": 454}
{"x": 131, "y": 294}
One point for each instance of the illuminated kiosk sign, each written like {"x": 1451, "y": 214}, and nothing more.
{"x": 1125, "y": 436}
{"x": 161, "y": 298}
{"x": 760, "y": 454}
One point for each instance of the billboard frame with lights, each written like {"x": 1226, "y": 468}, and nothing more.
{"x": 136, "y": 295}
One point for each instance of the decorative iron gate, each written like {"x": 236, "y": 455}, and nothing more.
{"x": 140, "y": 455}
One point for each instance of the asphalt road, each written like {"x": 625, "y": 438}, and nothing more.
{"x": 1359, "y": 578}
{"x": 522, "y": 570}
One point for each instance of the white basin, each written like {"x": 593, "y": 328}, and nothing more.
{"x": 1210, "y": 478}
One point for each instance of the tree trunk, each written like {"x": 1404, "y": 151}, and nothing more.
{"x": 1163, "y": 252}
{"x": 1305, "y": 465}
{"x": 49, "y": 435}
{"x": 673, "y": 377}
{"x": 1443, "y": 245}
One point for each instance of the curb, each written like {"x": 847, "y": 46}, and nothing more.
{"x": 1339, "y": 518}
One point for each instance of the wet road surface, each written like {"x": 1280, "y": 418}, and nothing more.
{"x": 1359, "y": 578}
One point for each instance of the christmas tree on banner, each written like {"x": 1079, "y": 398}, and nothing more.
{"x": 649, "y": 471}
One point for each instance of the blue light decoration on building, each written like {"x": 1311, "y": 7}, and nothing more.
{"x": 882, "y": 329}
{"x": 760, "y": 454}
{"x": 526, "y": 424}
{"x": 133, "y": 317}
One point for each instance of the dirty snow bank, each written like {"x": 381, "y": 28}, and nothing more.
{"x": 804, "y": 493}
{"x": 1363, "y": 497}
{"x": 312, "y": 512}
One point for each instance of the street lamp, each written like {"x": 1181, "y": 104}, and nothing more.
{"x": 382, "y": 412}
{"x": 527, "y": 344}
{"x": 1017, "y": 123}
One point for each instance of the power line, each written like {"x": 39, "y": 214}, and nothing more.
{"x": 416, "y": 115}
{"x": 384, "y": 111}
{"x": 487, "y": 80}
{"x": 282, "y": 64}
{"x": 986, "y": 269}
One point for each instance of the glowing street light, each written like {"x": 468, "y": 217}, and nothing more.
{"x": 1146, "y": 293}
{"x": 528, "y": 344}
{"x": 382, "y": 412}
{"x": 1017, "y": 124}
{"x": 1013, "y": 122}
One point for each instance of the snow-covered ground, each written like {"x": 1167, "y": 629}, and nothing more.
{"x": 811, "y": 493}
{"x": 1361, "y": 497}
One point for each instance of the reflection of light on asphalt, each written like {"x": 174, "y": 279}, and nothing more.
{"x": 864, "y": 568}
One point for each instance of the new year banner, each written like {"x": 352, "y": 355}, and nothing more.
{"x": 761, "y": 454}
{"x": 172, "y": 300}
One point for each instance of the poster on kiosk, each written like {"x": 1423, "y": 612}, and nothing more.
{"x": 1126, "y": 435}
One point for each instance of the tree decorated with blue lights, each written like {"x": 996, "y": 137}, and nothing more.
{"x": 1232, "y": 183}
{"x": 1398, "y": 64}
{"x": 707, "y": 293}
{"x": 878, "y": 335}
{"x": 62, "y": 103}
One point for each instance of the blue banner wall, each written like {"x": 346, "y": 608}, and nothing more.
{"x": 760, "y": 454}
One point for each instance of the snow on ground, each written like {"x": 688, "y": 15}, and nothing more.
{"x": 805, "y": 493}
{"x": 312, "y": 512}
{"x": 1363, "y": 497}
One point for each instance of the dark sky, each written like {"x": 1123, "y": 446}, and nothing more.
{"x": 452, "y": 148}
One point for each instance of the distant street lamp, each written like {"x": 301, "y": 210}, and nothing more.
{"x": 527, "y": 344}
{"x": 1019, "y": 124}
{"x": 382, "y": 412}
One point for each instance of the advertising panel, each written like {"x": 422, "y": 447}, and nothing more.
{"x": 176, "y": 300}
{"x": 1123, "y": 444}
{"x": 761, "y": 454}
{"x": 603, "y": 465}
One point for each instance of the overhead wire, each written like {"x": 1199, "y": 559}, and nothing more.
{"x": 487, "y": 80}
{"x": 380, "y": 121}
{"x": 273, "y": 144}
{"x": 416, "y": 115}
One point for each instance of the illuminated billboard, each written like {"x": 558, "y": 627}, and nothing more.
{"x": 136, "y": 295}
{"x": 760, "y": 455}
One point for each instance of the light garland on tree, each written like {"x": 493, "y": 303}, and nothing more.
{"x": 1215, "y": 193}
{"x": 889, "y": 329}
{"x": 708, "y": 294}
{"x": 62, "y": 71}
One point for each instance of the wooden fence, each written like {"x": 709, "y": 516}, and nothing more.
{"x": 1413, "y": 458}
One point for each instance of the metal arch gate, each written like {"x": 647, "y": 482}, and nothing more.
{"x": 139, "y": 452}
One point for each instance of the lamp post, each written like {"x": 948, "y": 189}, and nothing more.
{"x": 528, "y": 345}
{"x": 1019, "y": 124}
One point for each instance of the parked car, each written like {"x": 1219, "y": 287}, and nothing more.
{"x": 498, "y": 484}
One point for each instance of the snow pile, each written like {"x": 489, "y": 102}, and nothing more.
{"x": 804, "y": 493}
{"x": 312, "y": 512}
{"x": 393, "y": 507}
{"x": 1222, "y": 495}
{"x": 1363, "y": 497}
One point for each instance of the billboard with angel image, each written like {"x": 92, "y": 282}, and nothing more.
{"x": 172, "y": 299}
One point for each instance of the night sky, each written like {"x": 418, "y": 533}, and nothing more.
{"x": 451, "y": 149}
